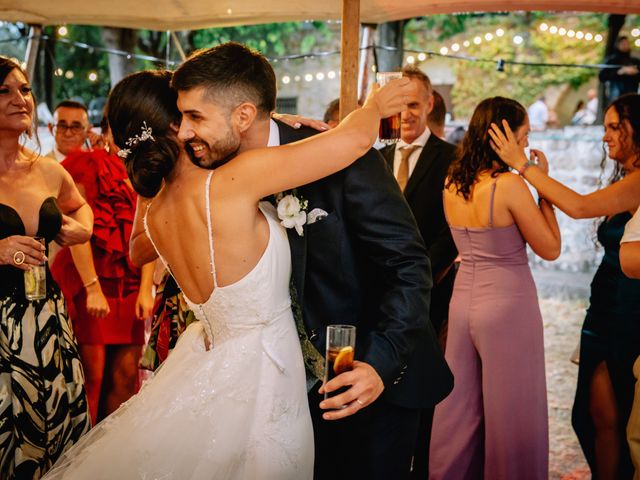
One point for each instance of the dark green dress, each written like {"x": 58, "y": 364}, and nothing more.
{"x": 611, "y": 334}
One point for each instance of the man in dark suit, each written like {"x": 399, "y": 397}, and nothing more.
{"x": 363, "y": 264}
{"x": 420, "y": 161}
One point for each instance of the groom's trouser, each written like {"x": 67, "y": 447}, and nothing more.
{"x": 376, "y": 443}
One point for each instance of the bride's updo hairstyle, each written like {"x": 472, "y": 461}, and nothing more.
{"x": 475, "y": 153}
{"x": 145, "y": 100}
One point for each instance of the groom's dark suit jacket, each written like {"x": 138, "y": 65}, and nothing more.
{"x": 424, "y": 196}
{"x": 365, "y": 264}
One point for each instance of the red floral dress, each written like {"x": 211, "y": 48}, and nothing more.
{"x": 113, "y": 202}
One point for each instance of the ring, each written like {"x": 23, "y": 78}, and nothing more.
{"x": 359, "y": 402}
{"x": 18, "y": 257}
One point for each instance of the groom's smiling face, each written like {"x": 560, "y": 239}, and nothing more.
{"x": 207, "y": 128}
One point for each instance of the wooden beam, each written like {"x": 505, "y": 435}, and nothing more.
{"x": 31, "y": 54}
{"x": 349, "y": 56}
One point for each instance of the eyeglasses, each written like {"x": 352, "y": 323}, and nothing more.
{"x": 75, "y": 128}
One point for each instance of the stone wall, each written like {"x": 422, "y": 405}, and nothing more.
{"x": 574, "y": 155}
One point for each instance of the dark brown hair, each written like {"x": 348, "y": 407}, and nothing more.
{"x": 628, "y": 108}
{"x": 231, "y": 74}
{"x": 145, "y": 99}
{"x": 475, "y": 153}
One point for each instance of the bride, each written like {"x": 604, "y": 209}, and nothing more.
{"x": 230, "y": 402}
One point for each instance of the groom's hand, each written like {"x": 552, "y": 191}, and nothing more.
{"x": 364, "y": 387}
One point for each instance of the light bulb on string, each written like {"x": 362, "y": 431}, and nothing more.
{"x": 543, "y": 27}
{"x": 455, "y": 47}
{"x": 518, "y": 40}
{"x": 68, "y": 75}
{"x": 477, "y": 40}
{"x": 63, "y": 31}
{"x": 553, "y": 29}
{"x": 499, "y": 32}
{"x": 579, "y": 35}
{"x": 488, "y": 37}
{"x": 422, "y": 57}
{"x": 411, "y": 59}
{"x": 444, "y": 50}
{"x": 466, "y": 43}
{"x": 286, "y": 79}
{"x": 588, "y": 36}
{"x": 308, "y": 77}
{"x": 331, "y": 74}
{"x": 93, "y": 76}
{"x": 571, "y": 34}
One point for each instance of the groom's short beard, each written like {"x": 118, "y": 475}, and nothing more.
{"x": 207, "y": 162}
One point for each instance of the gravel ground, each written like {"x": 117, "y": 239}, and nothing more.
{"x": 562, "y": 321}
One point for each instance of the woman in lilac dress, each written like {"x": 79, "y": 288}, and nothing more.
{"x": 494, "y": 423}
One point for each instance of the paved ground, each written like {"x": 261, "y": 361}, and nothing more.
{"x": 562, "y": 322}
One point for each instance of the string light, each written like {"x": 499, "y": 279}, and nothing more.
{"x": 444, "y": 51}
{"x": 637, "y": 42}
{"x": 286, "y": 79}
{"x": 296, "y": 78}
{"x": 562, "y": 31}
{"x": 598, "y": 38}
{"x": 488, "y": 37}
{"x": 93, "y": 76}
{"x": 635, "y": 32}
{"x": 553, "y": 29}
{"x": 499, "y": 32}
{"x": 331, "y": 74}
{"x": 543, "y": 27}
{"x": 477, "y": 40}
{"x": 422, "y": 57}
{"x": 455, "y": 47}
{"x": 518, "y": 40}
{"x": 319, "y": 76}
{"x": 571, "y": 34}
{"x": 68, "y": 75}
{"x": 411, "y": 59}
{"x": 308, "y": 77}
{"x": 588, "y": 36}
{"x": 579, "y": 35}
{"x": 62, "y": 31}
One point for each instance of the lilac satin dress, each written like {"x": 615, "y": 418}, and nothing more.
{"x": 494, "y": 424}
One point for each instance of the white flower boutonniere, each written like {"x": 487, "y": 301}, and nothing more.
{"x": 292, "y": 211}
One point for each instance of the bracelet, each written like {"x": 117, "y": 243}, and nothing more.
{"x": 91, "y": 282}
{"x": 524, "y": 167}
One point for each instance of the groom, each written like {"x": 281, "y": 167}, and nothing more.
{"x": 363, "y": 264}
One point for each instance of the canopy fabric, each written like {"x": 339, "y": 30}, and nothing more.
{"x": 193, "y": 14}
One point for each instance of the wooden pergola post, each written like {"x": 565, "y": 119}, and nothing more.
{"x": 349, "y": 56}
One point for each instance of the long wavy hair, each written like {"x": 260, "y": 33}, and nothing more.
{"x": 475, "y": 153}
{"x": 628, "y": 108}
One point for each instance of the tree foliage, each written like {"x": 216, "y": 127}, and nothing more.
{"x": 476, "y": 80}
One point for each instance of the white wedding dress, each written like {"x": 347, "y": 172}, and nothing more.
{"x": 237, "y": 411}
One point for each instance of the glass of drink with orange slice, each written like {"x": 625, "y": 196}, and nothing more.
{"x": 341, "y": 343}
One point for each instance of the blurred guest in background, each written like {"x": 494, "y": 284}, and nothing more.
{"x": 437, "y": 116}
{"x": 71, "y": 130}
{"x": 625, "y": 76}
{"x": 108, "y": 296}
{"x": 538, "y": 113}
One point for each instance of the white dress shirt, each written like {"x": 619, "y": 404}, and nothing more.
{"x": 419, "y": 142}
{"x": 274, "y": 134}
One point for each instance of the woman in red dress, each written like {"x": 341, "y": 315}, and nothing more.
{"x": 108, "y": 296}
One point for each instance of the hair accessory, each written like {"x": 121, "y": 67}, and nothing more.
{"x": 145, "y": 135}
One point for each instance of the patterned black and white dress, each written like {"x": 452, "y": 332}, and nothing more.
{"x": 43, "y": 405}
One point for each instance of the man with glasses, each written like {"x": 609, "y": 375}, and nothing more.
{"x": 71, "y": 129}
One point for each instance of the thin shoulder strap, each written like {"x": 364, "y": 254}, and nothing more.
{"x": 493, "y": 194}
{"x": 209, "y": 228}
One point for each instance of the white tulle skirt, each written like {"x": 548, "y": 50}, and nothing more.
{"x": 237, "y": 411}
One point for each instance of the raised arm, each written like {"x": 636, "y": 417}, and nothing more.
{"x": 537, "y": 223}
{"x": 616, "y": 198}
{"x": 265, "y": 171}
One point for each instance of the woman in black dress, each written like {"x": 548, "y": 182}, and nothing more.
{"x": 43, "y": 406}
{"x": 610, "y": 340}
